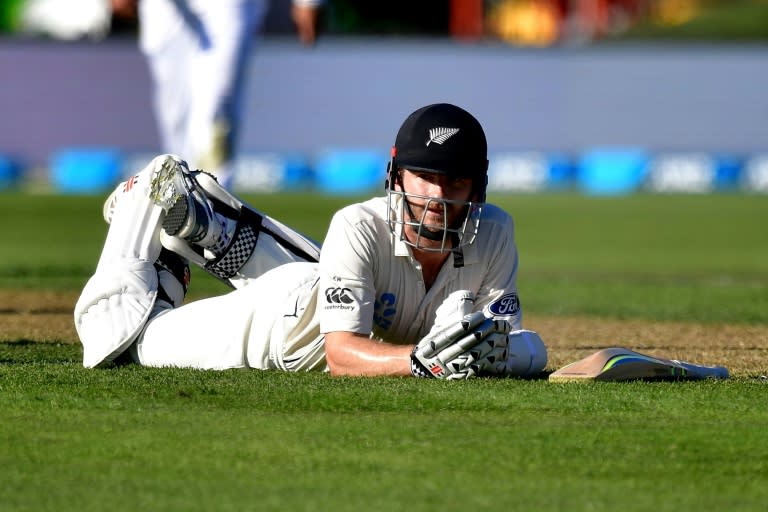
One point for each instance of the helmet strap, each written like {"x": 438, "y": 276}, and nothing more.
{"x": 458, "y": 253}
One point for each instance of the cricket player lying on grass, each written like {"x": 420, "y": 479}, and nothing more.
{"x": 419, "y": 282}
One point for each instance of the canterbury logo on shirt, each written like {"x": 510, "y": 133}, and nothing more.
{"x": 441, "y": 134}
{"x": 338, "y": 296}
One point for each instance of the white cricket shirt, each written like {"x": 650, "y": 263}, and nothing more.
{"x": 371, "y": 284}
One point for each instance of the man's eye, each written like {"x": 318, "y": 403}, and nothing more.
{"x": 461, "y": 183}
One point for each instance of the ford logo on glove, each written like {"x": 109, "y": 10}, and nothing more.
{"x": 506, "y": 305}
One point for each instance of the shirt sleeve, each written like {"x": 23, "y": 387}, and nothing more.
{"x": 347, "y": 262}
{"x": 498, "y": 296}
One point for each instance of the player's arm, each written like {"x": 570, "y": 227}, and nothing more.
{"x": 124, "y": 8}
{"x": 347, "y": 297}
{"x": 473, "y": 346}
{"x": 349, "y": 353}
{"x": 306, "y": 15}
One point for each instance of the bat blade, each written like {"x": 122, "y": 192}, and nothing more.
{"x": 621, "y": 364}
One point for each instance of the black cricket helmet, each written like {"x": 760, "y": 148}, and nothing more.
{"x": 447, "y": 140}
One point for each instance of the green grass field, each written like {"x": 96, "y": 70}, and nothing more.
{"x": 136, "y": 438}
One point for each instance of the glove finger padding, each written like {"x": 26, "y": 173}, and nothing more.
{"x": 436, "y": 341}
{"x": 515, "y": 354}
{"x": 461, "y": 351}
{"x": 489, "y": 357}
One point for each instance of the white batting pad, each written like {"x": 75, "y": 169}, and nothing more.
{"x": 135, "y": 225}
{"x": 113, "y": 308}
{"x": 117, "y": 300}
{"x": 527, "y": 353}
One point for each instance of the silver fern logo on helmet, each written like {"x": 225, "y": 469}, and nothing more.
{"x": 441, "y": 134}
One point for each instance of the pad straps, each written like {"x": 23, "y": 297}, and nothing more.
{"x": 249, "y": 225}
{"x": 240, "y": 250}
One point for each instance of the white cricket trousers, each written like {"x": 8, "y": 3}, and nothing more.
{"x": 268, "y": 324}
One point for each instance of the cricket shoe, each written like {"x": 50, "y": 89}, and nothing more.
{"x": 156, "y": 172}
{"x": 190, "y": 215}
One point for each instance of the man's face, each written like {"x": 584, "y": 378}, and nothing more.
{"x": 432, "y": 213}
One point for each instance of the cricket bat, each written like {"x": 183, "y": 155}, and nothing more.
{"x": 621, "y": 364}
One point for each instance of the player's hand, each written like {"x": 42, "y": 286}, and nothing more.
{"x": 124, "y": 8}
{"x": 487, "y": 358}
{"x": 476, "y": 345}
{"x": 306, "y": 18}
{"x": 453, "y": 309}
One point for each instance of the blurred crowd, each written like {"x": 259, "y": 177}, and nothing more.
{"x": 517, "y": 22}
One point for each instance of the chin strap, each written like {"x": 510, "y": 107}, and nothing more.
{"x": 458, "y": 253}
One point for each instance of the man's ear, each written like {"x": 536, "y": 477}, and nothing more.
{"x": 398, "y": 174}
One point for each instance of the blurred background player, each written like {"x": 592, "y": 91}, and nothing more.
{"x": 198, "y": 52}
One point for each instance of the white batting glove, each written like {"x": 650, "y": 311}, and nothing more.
{"x": 453, "y": 309}
{"x": 527, "y": 353}
{"x": 460, "y": 351}
{"x": 487, "y": 358}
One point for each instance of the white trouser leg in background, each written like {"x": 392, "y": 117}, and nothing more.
{"x": 218, "y": 74}
{"x": 166, "y": 42}
{"x": 197, "y": 51}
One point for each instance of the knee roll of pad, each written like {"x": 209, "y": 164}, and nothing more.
{"x": 113, "y": 308}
